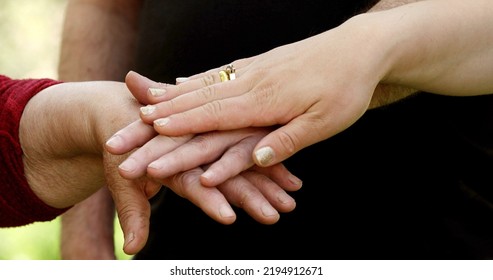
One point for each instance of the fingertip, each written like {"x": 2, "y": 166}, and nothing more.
{"x": 129, "y": 75}
{"x": 180, "y": 80}
{"x": 271, "y": 219}
{"x": 264, "y": 156}
{"x": 270, "y": 212}
{"x": 296, "y": 182}
{"x": 135, "y": 236}
{"x": 128, "y": 239}
{"x": 227, "y": 215}
{"x": 161, "y": 126}
{"x": 286, "y": 202}
{"x": 133, "y": 243}
{"x": 130, "y": 169}
{"x": 115, "y": 144}
{"x": 207, "y": 179}
{"x": 156, "y": 93}
{"x": 131, "y": 79}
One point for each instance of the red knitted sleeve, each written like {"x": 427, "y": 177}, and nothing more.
{"x": 18, "y": 203}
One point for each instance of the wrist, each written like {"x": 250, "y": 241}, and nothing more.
{"x": 393, "y": 44}
{"x": 374, "y": 44}
{"x": 62, "y": 160}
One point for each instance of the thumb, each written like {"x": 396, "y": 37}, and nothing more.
{"x": 133, "y": 211}
{"x": 145, "y": 90}
{"x": 288, "y": 139}
{"x": 132, "y": 206}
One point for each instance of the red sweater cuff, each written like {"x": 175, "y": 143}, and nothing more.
{"x": 18, "y": 203}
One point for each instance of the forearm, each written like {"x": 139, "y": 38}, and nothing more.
{"x": 440, "y": 46}
{"x": 97, "y": 214}
{"x": 98, "y": 40}
{"x": 389, "y": 4}
{"x": 57, "y": 123}
{"x": 18, "y": 204}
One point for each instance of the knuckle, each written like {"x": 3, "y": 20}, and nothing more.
{"x": 247, "y": 196}
{"x": 170, "y": 106}
{"x": 201, "y": 142}
{"x": 288, "y": 142}
{"x": 239, "y": 154}
{"x": 213, "y": 109}
{"x": 145, "y": 153}
{"x": 257, "y": 179}
{"x": 129, "y": 212}
{"x": 207, "y": 93}
{"x": 265, "y": 99}
{"x": 186, "y": 181}
{"x": 209, "y": 80}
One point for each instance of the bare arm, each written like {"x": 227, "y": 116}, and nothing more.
{"x": 96, "y": 213}
{"x": 389, "y": 4}
{"x": 413, "y": 45}
{"x": 385, "y": 93}
{"x": 99, "y": 39}
{"x": 98, "y": 43}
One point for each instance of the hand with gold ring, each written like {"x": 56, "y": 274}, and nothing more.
{"x": 318, "y": 87}
{"x": 228, "y": 74}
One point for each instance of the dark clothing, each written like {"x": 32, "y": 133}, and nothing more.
{"x": 412, "y": 180}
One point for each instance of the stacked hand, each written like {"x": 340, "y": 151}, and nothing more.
{"x": 63, "y": 131}
{"x": 315, "y": 88}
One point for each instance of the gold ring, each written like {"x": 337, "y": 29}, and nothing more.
{"x": 228, "y": 74}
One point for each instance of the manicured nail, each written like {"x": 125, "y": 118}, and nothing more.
{"x": 147, "y": 110}
{"x": 161, "y": 122}
{"x": 226, "y": 212}
{"x": 114, "y": 142}
{"x": 264, "y": 156}
{"x": 157, "y": 92}
{"x": 128, "y": 165}
{"x": 268, "y": 211}
{"x": 181, "y": 80}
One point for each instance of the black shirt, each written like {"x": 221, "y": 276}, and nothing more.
{"x": 407, "y": 181}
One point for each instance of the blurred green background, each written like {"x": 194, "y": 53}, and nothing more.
{"x": 29, "y": 47}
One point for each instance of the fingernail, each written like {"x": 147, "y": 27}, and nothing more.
{"x": 128, "y": 239}
{"x": 157, "y": 92}
{"x": 128, "y": 165}
{"x": 155, "y": 165}
{"x": 208, "y": 175}
{"x": 268, "y": 211}
{"x": 147, "y": 110}
{"x": 161, "y": 122}
{"x": 226, "y": 212}
{"x": 115, "y": 141}
{"x": 181, "y": 80}
{"x": 264, "y": 156}
{"x": 295, "y": 181}
{"x": 284, "y": 198}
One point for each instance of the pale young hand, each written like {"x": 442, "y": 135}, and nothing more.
{"x": 317, "y": 87}
{"x": 292, "y": 86}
